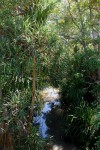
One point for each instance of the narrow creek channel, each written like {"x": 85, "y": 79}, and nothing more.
{"x": 51, "y": 98}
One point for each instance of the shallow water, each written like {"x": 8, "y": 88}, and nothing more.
{"x": 41, "y": 120}
{"x": 51, "y": 100}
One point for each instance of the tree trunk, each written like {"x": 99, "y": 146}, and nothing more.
{"x": 33, "y": 91}
{"x": 34, "y": 81}
{"x": 99, "y": 81}
{"x": 0, "y": 93}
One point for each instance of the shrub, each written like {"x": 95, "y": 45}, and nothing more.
{"x": 16, "y": 129}
{"x": 79, "y": 96}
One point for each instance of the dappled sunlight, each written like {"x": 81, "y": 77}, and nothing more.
{"x": 49, "y": 75}
{"x": 49, "y": 94}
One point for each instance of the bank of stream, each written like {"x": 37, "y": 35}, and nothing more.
{"x": 51, "y": 102}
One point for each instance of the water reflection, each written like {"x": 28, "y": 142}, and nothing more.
{"x": 41, "y": 120}
{"x": 51, "y": 98}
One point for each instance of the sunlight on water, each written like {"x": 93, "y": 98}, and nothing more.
{"x": 51, "y": 97}
{"x": 49, "y": 94}
{"x": 56, "y": 147}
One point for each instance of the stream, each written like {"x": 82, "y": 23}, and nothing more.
{"x": 51, "y": 98}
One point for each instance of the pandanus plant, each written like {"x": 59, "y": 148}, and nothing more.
{"x": 22, "y": 19}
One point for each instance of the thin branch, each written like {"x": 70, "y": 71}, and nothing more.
{"x": 72, "y": 16}
{"x": 82, "y": 26}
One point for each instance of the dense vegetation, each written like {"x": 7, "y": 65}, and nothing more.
{"x": 49, "y": 42}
